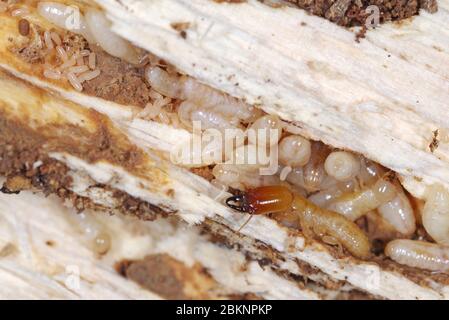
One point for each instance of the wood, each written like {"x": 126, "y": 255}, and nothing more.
{"x": 383, "y": 97}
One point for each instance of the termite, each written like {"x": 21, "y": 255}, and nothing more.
{"x": 262, "y": 200}
{"x": 314, "y": 221}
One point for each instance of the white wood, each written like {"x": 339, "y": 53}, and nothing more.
{"x": 382, "y": 97}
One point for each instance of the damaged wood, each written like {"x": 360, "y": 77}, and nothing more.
{"x": 351, "y": 13}
{"x": 379, "y": 119}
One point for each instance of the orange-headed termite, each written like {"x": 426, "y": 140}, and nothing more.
{"x": 262, "y": 200}
{"x": 314, "y": 221}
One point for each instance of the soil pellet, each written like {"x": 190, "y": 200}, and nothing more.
{"x": 24, "y": 27}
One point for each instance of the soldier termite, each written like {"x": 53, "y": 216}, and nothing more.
{"x": 314, "y": 221}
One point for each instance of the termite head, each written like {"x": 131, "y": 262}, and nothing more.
{"x": 240, "y": 203}
{"x": 262, "y": 200}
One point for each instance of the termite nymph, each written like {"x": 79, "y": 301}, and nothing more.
{"x": 314, "y": 221}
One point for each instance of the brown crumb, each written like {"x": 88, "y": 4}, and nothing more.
{"x": 181, "y": 27}
{"x": 172, "y": 279}
{"x": 166, "y": 276}
{"x": 204, "y": 172}
{"x": 24, "y": 27}
{"x": 50, "y": 243}
{"x": 16, "y": 184}
{"x": 7, "y": 250}
{"x": 170, "y": 193}
{"x": 337, "y": 11}
{"x": 435, "y": 142}
{"x": 429, "y": 5}
{"x": 361, "y": 34}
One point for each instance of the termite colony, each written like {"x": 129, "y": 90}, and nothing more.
{"x": 332, "y": 195}
{"x": 328, "y": 194}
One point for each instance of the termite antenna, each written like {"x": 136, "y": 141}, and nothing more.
{"x": 236, "y": 203}
{"x": 246, "y": 222}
